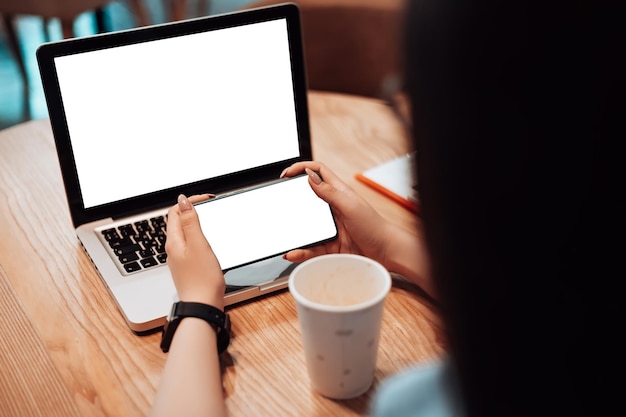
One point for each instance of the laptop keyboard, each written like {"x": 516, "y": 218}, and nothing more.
{"x": 139, "y": 245}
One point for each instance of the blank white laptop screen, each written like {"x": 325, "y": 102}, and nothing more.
{"x": 178, "y": 110}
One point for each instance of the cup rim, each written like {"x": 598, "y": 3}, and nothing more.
{"x": 300, "y": 299}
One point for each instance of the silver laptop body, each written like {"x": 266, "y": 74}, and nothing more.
{"x": 212, "y": 105}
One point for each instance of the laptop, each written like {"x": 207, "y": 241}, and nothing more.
{"x": 206, "y": 105}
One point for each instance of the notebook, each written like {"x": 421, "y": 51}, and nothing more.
{"x": 213, "y": 104}
{"x": 395, "y": 179}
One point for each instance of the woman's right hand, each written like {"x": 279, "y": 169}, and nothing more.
{"x": 361, "y": 229}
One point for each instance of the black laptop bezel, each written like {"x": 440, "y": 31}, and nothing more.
{"x": 46, "y": 53}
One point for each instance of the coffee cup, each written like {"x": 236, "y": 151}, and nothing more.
{"x": 340, "y": 301}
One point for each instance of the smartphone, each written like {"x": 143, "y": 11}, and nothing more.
{"x": 265, "y": 221}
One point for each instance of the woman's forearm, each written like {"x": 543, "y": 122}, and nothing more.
{"x": 191, "y": 383}
{"x": 407, "y": 255}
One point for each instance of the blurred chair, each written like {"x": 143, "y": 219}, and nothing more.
{"x": 350, "y": 46}
{"x": 66, "y": 11}
{"x": 178, "y": 9}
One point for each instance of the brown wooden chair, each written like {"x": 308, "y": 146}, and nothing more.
{"x": 350, "y": 46}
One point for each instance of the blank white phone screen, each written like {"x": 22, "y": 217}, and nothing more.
{"x": 266, "y": 221}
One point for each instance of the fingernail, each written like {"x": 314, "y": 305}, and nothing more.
{"x": 282, "y": 174}
{"x": 211, "y": 195}
{"x": 183, "y": 203}
{"x": 313, "y": 175}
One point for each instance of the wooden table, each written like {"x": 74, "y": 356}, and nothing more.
{"x": 65, "y": 350}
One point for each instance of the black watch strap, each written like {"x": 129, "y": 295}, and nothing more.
{"x": 212, "y": 315}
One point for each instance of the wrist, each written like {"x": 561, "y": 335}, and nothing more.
{"x": 407, "y": 256}
{"x": 215, "y": 301}
{"x": 212, "y": 315}
{"x": 211, "y": 296}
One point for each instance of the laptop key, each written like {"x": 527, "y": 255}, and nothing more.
{"x": 142, "y": 226}
{"x": 110, "y": 234}
{"x": 127, "y": 230}
{"x": 116, "y": 243}
{"x": 162, "y": 258}
{"x": 158, "y": 222}
{"x": 128, "y": 257}
{"x": 132, "y": 267}
{"x": 148, "y": 262}
{"x": 122, "y": 250}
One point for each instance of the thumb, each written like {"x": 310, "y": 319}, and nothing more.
{"x": 189, "y": 221}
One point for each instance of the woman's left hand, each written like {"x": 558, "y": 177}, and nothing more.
{"x": 196, "y": 271}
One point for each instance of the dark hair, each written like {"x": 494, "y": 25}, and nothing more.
{"x": 518, "y": 108}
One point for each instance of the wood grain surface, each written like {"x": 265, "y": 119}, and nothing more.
{"x": 65, "y": 349}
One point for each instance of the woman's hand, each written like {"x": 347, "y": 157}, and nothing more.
{"x": 361, "y": 229}
{"x": 197, "y": 273}
{"x": 191, "y": 383}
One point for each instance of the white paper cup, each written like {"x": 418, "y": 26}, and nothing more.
{"x": 340, "y": 300}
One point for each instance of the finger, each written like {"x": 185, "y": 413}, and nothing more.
{"x": 325, "y": 187}
{"x": 298, "y": 168}
{"x": 200, "y": 197}
{"x": 175, "y": 235}
{"x": 325, "y": 173}
{"x": 297, "y": 255}
{"x": 301, "y": 255}
{"x": 189, "y": 222}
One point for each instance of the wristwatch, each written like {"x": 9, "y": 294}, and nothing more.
{"x": 212, "y": 315}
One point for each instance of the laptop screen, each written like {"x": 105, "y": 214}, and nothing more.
{"x": 211, "y": 104}
{"x": 155, "y": 115}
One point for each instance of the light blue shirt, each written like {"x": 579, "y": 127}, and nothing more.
{"x": 425, "y": 390}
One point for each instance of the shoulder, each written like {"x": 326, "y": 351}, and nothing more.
{"x": 425, "y": 390}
